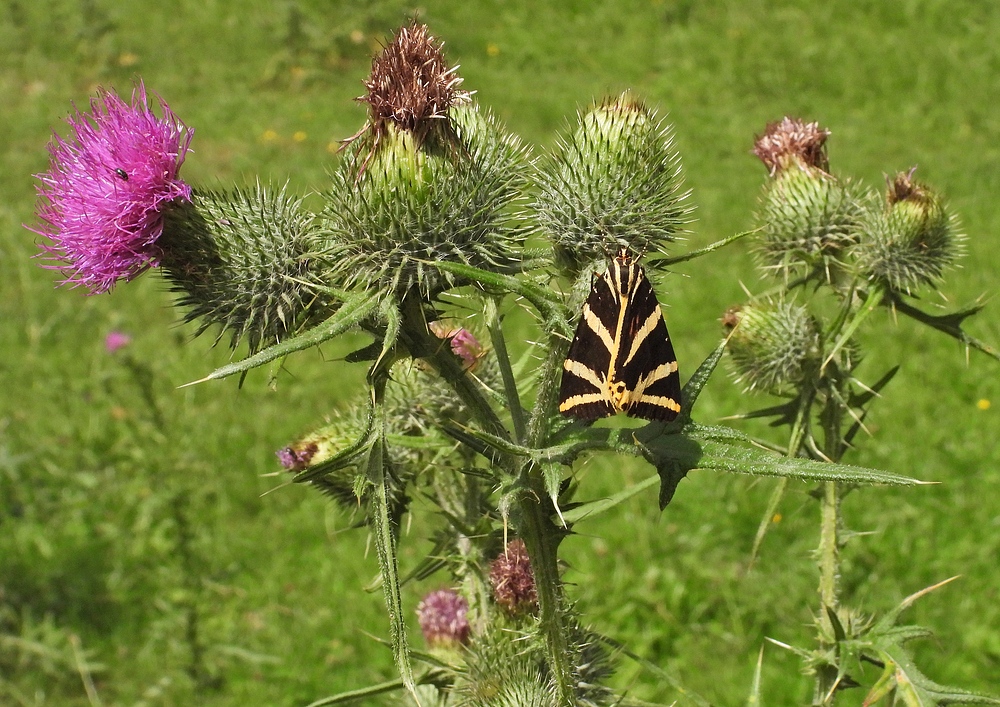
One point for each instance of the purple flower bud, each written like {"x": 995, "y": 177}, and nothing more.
{"x": 297, "y": 458}
{"x": 463, "y": 343}
{"x": 101, "y": 203}
{"x": 443, "y": 620}
{"x": 116, "y": 340}
{"x": 512, "y": 579}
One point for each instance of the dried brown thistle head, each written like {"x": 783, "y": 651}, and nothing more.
{"x": 792, "y": 139}
{"x": 410, "y": 87}
{"x": 903, "y": 188}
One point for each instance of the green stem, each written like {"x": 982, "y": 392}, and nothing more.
{"x": 506, "y": 372}
{"x": 539, "y": 536}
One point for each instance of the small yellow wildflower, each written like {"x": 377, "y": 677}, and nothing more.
{"x": 269, "y": 135}
{"x": 299, "y": 136}
{"x": 776, "y": 518}
{"x": 492, "y": 49}
{"x": 983, "y": 404}
{"x": 127, "y": 59}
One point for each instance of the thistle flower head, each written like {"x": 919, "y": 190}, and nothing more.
{"x": 791, "y": 141}
{"x": 238, "y": 259}
{"x": 102, "y": 200}
{"x": 447, "y": 198}
{"x": 410, "y": 84}
{"x": 614, "y": 182}
{"x": 809, "y": 217}
{"x": 463, "y": 343}
{"x": 512, "y": 579}
{"x": 912, "y": 241}
{"x": 772, "y": 346}
{"x": 443, "y": 619}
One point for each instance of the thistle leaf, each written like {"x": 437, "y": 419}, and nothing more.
{"x": 590, "y": 509}
{"x": 353, "y": 311}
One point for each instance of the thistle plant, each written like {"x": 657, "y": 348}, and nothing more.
{"x": 797, "y": 341}
{"x": 434, "y": 208}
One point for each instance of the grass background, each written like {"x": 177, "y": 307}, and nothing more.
{"x": 128, "y": 506}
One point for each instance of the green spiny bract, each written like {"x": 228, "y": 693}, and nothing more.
{"x": 614, "y": 182}
{"x": 773, "y": 346}
{"x": 506, "y": 667}
{"x": 238, "y": 260}
{"x": 909, "y": 243}
{"x": 446, "y": 198}
{"x": 809, "y": 217}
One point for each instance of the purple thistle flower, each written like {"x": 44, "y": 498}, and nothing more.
{"x": 116, "y": 340}
{"x": 463, "y": 343}
{"x": 442, "y": 617}
{"x": 512, "y": 579}
{"x": 102, "y": 201}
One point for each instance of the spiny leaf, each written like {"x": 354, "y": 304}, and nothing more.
{"x": 725, "y": 449}
{"x": 950, "y": 324}
{"x": 692, "y": 389}
{"x": 385, "y": 544}
{"x": 667, "y": 261}
{"x": 590, "y": 509}
{"x": 355, "y": 309}
{"x": 543, "y": 299}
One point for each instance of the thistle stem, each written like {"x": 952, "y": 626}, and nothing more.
{"x": 541, "y": 536}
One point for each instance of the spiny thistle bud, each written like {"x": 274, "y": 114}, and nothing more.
{"x": 912, "y": 241}
{"x": 773, "y": 345}
{"x": 513, "y": 581}
{"x": 429, "y": 179}
{"x": 239, "y": 260}
{"x": 614, "y": 182}
{"x": 320, "y": 446}
{"x": 443, "y": 619}
{"x": 809, "y": 217}
{"x": 103, "y": 199}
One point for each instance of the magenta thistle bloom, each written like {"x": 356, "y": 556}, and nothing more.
{"x": 442, "y": 617}
{"x": 116, "y": 340}
{"x": 102, "y": 201}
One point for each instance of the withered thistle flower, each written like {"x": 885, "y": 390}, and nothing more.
{"x": 912, "y": 241}
{"x": 809, "y": 217}
{"x": 512, "y": 579}
{"x": 790, "y": 142}
{"x": 773, "y": 346}
{"x": 428, "y": 179}
{"x": 443, "y": 619}
{"x": 614, "y": 182}
{"x": 411, "y": 86}
{"x": 103, "y": 199}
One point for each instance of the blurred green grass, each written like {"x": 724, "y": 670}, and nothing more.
{"x": 88, "y": 470}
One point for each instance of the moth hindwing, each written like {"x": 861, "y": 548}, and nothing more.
{"x": 621, "y": 359}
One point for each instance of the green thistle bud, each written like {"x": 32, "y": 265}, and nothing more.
{"x": 912, "y": 241}
{"x": 614, "y": 182}
{"x": 772, "y": 346}
{"x": 809, "y": 217}
{"x": 430, "y": 178}
{"x": 238, "y": 259}
{"x": 342, "y": 431}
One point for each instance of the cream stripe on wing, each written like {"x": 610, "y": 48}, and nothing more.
{"x": 597, "y": 326}
{"x": 581, "y": 371}
{"x": 583, "y": 399}
{"x": 645, "y": 330}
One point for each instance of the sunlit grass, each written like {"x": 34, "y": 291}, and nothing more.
{"x": 89, "y": 469}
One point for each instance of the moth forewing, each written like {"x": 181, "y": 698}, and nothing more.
{"x": 621, "y": 358}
